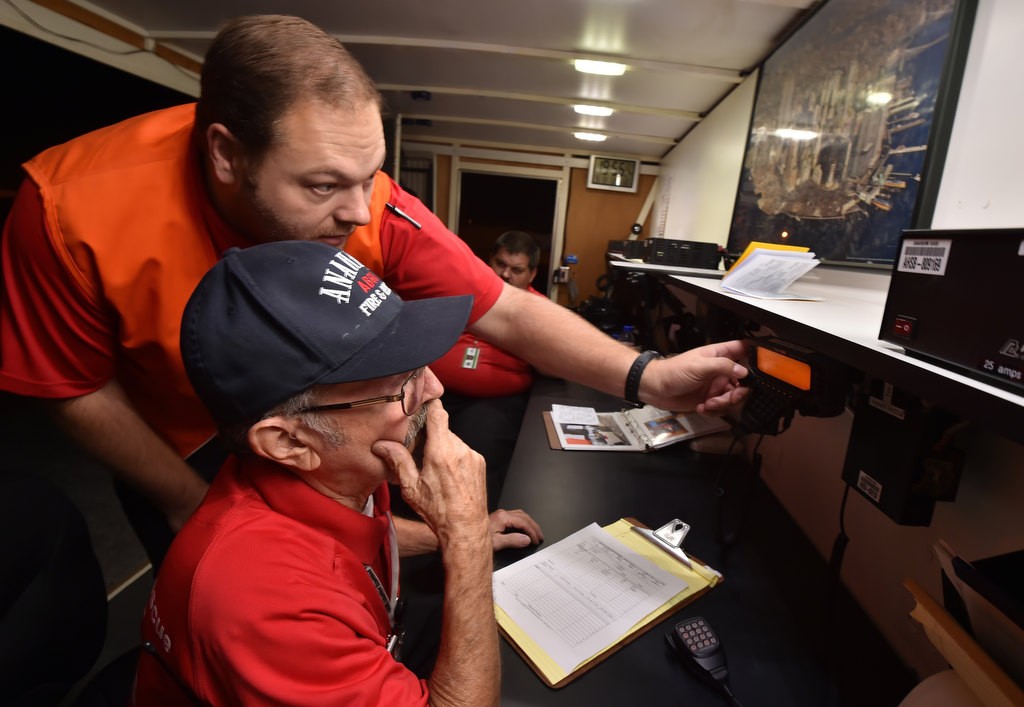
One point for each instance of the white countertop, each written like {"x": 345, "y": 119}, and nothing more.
{"x": 844, "y": 323}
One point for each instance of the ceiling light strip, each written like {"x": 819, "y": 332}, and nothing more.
{"x": 599, "y": 68}
{"x": 621, "y": 107}
{"x": 509, "y": 150}
{"x": 710, "y": 72}
{"x": 590, "y": 109}
{"x": 535, "y": 126}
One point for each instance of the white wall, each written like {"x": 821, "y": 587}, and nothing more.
{"x": 699, "y": 178}
{"x": 983, "y": 181}
{"x": 982, "y": 186}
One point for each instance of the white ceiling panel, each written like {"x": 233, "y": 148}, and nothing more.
{"x": 556, "y": 78}
{"x": 720, "y": 33}
{"x": 542, "y": 114}
{"x": 501, "y": 71}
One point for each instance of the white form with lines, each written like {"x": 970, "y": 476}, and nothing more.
{"x": 582, "y": 594}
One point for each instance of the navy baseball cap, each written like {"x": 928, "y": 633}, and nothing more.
{"x": 267, "y": 322}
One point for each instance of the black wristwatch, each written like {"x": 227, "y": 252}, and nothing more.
{"x": 633, "y": 377}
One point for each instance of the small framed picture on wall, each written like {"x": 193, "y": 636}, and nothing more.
{"x": 613, "y": 173}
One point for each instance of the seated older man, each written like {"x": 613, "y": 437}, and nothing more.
{"x": 282, "y": 588}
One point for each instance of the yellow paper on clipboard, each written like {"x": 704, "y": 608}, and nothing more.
{"x": 698, "y": 580}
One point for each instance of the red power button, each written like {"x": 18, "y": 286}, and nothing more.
{"x": 904, "y": 326}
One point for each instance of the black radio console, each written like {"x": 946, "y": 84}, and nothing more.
{"x": 955, "y": 298}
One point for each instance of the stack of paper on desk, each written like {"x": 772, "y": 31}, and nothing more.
{"x": 570, "y": 605}
{"x": 767, "y": 272}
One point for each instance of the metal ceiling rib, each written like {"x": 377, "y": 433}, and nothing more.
{"x": 502, "y": 71}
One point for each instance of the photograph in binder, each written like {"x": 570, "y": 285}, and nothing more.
{"x": 636, "y": 430}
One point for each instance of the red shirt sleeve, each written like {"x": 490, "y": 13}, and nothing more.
{"x": 432, "y": 261}
{"x": 55, "y": 341}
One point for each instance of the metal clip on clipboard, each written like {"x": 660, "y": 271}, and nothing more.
{"x": 669, "y": 538}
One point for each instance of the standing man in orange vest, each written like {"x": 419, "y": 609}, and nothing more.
{"x": 110, "y": 233}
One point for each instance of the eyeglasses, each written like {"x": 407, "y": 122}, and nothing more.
{"x": 407, "y": 403}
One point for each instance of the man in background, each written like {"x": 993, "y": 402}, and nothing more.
{"x": 487, "y": 388}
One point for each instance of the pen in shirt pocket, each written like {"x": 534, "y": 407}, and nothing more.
{"x": 398, "y": 212}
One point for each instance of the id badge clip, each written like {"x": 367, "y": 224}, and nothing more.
{"x": 471, "y": 357}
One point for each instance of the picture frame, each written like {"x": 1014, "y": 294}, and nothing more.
{"x": 613, "y": 173}
{"x": 849, "y": 129}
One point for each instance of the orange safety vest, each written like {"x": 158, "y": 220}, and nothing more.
{"x": 128, "y": 216}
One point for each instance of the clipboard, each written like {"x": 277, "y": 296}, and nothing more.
{"x": 699, "y": 577}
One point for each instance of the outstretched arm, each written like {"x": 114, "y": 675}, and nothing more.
{"x": 559, "y": 342}
{"x": 705, "y": 379}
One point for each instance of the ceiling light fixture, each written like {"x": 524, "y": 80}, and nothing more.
{"x": 602, "y": 68}
{"x": 600, "y": 111}
{"x": 593, "y": 137}
{"x": 792, "y": 134}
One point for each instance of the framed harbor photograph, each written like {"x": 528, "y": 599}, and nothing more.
{"x": 849, "y": 128}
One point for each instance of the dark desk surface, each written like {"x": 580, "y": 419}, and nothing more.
{"x": 790, "y": 636}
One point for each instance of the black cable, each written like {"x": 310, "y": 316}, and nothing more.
{"x": 149, "y": 648}
{"x": 839, "y": 546}
{"x": 78, "y": 40}
{"x": 719, "y": 492}
{"x": 728, "y": 693}
{"x": 757, "y": 445}
{"x": 725, "y": 461}
{"x": 28, "y": 18}
{"x": 830, "y": 598}
{"x": 726, "y": 539}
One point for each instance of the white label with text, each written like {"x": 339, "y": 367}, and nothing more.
{"x": 927, "y": 256}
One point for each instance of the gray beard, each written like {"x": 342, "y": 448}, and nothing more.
{"x": 416, "y": 422}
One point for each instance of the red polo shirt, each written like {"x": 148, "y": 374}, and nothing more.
{"x": 264, "y": 598}
{"x": 477, "y": 368}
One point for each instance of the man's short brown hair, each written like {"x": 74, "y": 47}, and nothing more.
{"x": 259, "y": 66}
{"x": 516, "y": 242}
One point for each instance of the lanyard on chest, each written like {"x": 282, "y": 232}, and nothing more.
{"x": 392, "y": 604}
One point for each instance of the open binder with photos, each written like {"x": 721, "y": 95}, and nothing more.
{"x": 635, "y": 430}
